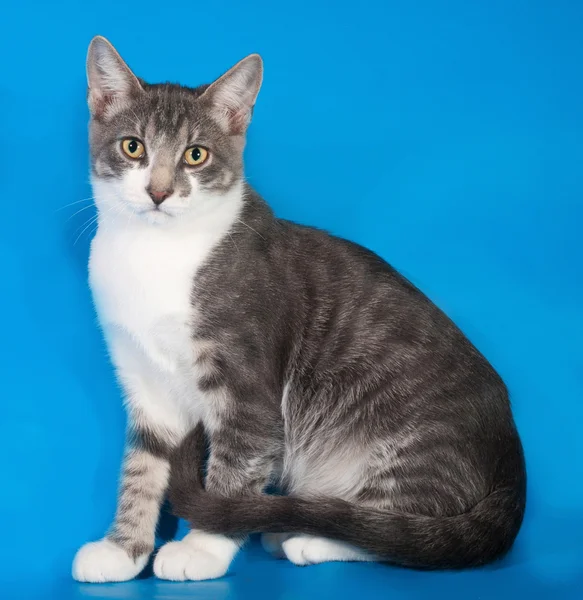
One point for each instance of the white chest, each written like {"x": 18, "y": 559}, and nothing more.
{"x": 142, "y": 282}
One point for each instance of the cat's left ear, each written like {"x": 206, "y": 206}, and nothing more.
{"x": 233, "y": 95}
{"x": 111, "y": 82}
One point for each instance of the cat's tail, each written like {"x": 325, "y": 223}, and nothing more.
{"x": 476, "y": 537}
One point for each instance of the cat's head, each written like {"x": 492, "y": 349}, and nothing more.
{"x": 166, "y": 152}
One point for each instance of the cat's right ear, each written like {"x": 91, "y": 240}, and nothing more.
{"x": 233, "y": 95}
{"x": 111, "y": 82}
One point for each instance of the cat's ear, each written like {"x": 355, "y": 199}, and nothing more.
{"x": 111, "y": 82}
{"x": 233, "y": 95}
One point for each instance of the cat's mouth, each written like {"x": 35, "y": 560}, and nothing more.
{"x": 152, "y": 213}
{"x": 154, "y": 210}
{"x": 155, "y": 214}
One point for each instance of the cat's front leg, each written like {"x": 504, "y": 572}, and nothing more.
{"x": 125, "y": 550}
{"x": 242, "y": 455}
{"x": 156, "y": 425}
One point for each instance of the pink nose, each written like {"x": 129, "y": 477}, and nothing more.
{"x": 158, "y": 196}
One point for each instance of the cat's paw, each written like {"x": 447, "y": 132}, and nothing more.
{"x": 197, "y": 557}
{"x": 99, "y": 562}
{"x": 273, "y": 543}
{"x": 305, "y": 550}
{"x": 297, "y": 550}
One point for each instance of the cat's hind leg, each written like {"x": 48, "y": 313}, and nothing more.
{"x": 199, "y": 556}
{"x": 305, "y": 550}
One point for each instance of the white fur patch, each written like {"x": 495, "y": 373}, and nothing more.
{"x": 142, "y": 277}
{"x": 99, "y": 562}
{"x": 305, "y": 550}
{"x": 318, "y": 470}
{"x": 197, "y": 557}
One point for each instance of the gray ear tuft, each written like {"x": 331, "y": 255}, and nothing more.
{"x": 233, "y": 95}
{"x": 111, "y": 82}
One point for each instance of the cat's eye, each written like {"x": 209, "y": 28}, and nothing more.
{"x": 133, "y": 148}
{"x": 195, "y": 156}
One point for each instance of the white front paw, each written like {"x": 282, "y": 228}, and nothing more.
{"x": 197, "y": 557}
{"x": 98, "y": 562}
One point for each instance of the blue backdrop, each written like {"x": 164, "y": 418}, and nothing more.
{"x": 447, "y": 136}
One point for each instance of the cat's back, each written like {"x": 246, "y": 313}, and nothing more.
{"x": 350, "y": 273}
{"x": 361, "y": 305}
{"x": 323, "y": 277}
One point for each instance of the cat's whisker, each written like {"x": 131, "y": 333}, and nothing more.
{"x": 118, "y": 208}
{"x": 133, "y": 123}
{"x": 91, "y": 222}
{"x": 84, "y": 223}
{"x": 78, "y": 211}
{"x": 249, "y": 227}
{"x": 136, "y": 122}
{"x": 234, "y": 242}
{"x": 90, "y": 199}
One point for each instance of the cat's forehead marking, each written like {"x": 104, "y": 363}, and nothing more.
{"x": 172, "y": 124}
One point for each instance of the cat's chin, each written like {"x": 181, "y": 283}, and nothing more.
{"x": 156, "y": 217}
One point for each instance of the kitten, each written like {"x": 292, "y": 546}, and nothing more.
{"x": 306, "y": 359}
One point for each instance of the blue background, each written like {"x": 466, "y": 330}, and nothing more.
{"x": 447, "y": 136}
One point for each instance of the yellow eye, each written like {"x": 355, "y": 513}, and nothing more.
{"x": 195, "y": 155}
{"x": 133, "y": 148}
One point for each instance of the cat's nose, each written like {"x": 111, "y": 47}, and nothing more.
{"x": 158, "y": 196}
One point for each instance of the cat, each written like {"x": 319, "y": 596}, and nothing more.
{"x": 301, "y": 359}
